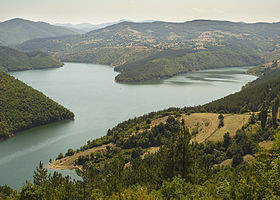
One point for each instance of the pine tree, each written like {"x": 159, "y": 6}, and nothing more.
{"x": 275, "y": 105}
{"x": 263, "y": 115}
{"x": 40, "y": 174}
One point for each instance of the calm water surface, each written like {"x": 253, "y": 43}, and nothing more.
{"x": 99, "y": 103}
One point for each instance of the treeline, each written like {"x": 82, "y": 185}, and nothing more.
{"x": 13, "y": 60}
{"x": 22, "y": 107}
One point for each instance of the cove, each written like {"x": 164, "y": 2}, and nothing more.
{"x": 99, "y": 103}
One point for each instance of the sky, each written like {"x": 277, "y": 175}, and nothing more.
{"x": 101, "y": 11}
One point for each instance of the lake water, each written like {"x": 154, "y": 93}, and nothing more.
{"x": 99, "y": 103}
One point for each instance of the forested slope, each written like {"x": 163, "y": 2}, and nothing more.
{"x": 13, "y": 60}
{"x": 251, "y": 97}
{"x": 22, "y": 107}
{"x": 171, "y": 62}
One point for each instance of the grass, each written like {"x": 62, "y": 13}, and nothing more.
{"x": 231, "y": 124}
{"x": 266, "y": 144}
{"x": 150, "y": 150}
{"x": 205, "y": 123}
{"x": 68, "y": 161}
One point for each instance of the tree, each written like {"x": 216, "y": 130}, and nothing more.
{"x": 221, "y": 123}
{"x": 237, "y": 159}
{"x": 227, "y": 140}
{"x": 252, "y": 119}
{"x": 276, "y": 143}
{"x": 30, "y": 192}
{"x": 70, "y": 152}
{"x": 178, "y": 188}
{"x": 40, "y": 174}
{"x": 176, "y": 155}
{"x": 183, "y": 153}
{"x": 275, "y": 105}
{"x": 60, "y": 155}
{"x": 263, "y": 115}
{"x": 220, "y": 116}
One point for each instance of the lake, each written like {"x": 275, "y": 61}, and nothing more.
{"x": 99, "y": 103}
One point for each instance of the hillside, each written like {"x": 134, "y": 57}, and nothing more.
{"x": 13, "y": 60}
{"x": 16, "y": 31}
{"x": 251, "y": 97}
{"x": 22, "y": 107}
{"x": 264, "y": 68}
{"x": 141, "y": 51}
{"x": 203, "y": 127}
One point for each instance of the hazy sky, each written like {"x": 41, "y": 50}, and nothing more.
{"x": 99, "y": 11}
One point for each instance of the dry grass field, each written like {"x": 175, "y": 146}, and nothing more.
{"x": 68, "y": 161}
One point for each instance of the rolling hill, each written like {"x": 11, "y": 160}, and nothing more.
{"x": 153, "y": 50}
{"x": 16, "y": 31}
{"x": 14, "y": 60}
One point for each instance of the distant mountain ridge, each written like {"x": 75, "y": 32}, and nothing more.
{"x": 16, "y": 31}
{"x": 87, "y": 27}
{"x": 154, "y": 50}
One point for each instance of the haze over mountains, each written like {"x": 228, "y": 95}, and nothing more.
{"x": 16, "y": 31}
{"x": 86, "y": 27}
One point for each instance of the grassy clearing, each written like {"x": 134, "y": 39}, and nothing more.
{"x": 150, "y": 150}
{"x": 228, "y": 162}
{"x": 266, "y": 144}
{"x": 204, "y": 123}
{"x": 204, "y": 126}
{"x": 68, "y": 162}
{"x": 231, "y": 124}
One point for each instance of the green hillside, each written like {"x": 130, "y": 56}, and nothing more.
{"x": 141, "y": 51}
{"x": 264, "y": 68}
{"x": 251, "y": 97}
{"x": 22, "y": 107}
{"x": 16, "y": 31}
{"x": 13, "y": 60}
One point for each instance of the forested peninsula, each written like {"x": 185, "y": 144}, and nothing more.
{"x": 22, "y": 107}
{"x": 14, "y": 60}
